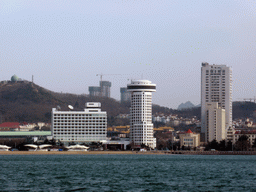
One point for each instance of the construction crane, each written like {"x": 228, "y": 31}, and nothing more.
{"x": 105, "y": 75}
{"x": 101, "y": 89}
{"x": 249, "y": 99}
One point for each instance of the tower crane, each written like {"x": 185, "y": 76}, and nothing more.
{"x": 249, "y": 99}
{"x": 105, "y": 75}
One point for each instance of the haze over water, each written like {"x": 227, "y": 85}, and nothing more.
{"x": 127, "y": 173}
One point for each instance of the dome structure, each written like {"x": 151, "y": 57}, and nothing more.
{"x": 14, "y": 78}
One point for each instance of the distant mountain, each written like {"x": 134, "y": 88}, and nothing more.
{"x": 186, "y": 105}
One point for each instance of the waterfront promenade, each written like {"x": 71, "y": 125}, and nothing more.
{"x": 127, "y": 153}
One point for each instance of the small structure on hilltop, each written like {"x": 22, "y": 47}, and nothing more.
{"x": 14, "y": 78}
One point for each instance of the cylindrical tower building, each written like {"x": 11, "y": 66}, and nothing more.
{"x": 141, "y": 126}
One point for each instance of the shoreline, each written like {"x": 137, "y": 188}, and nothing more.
{"x": 127, "y": 153}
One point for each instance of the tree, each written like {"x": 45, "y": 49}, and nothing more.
{"x": 76, "y": 106}
{"x": 222, "y": 145}
{"x": 254, "y": 143}
{"x": 212, "y": 145}
{"x": 242, "y": 144}
{"x": 229, "y": 146}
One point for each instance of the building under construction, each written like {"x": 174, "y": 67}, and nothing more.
{"x": 102, "y": 91}
{"x": 125, "y": 95}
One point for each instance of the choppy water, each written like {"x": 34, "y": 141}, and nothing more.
{"x": 127, "y": 173}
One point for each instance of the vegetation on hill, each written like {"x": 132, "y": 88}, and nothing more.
{"x": 243, "y": 109}
{"x": 28, "y": 102}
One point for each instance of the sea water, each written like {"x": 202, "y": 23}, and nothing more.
{"x": 127, "y": 173}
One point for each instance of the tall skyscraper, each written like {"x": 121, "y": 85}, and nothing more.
{"x": 141, "y": 126}
{"x": 216, "y": 86}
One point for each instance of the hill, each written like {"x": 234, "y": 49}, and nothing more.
{"x": 24, "y": 101}
{"x": 27, "y": 102}
{"x": 241, "y": 109}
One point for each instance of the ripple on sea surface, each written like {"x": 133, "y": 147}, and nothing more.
{"x": 127, "y": 173}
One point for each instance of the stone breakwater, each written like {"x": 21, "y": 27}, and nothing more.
{"x": 127, "y": 153}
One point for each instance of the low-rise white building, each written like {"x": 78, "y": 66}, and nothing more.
{"x": 89, "y": 125}
{"x": 190, "y": 139}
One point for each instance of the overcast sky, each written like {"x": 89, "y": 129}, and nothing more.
{"x": 65, "y": 43}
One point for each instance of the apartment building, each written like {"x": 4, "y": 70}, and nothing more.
{"x": 216, "y": 86}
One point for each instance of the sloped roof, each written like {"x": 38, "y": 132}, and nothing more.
{"x": 189, "y": 131}
{"x": 10, "y": 124}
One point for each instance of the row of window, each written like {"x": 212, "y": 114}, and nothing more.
{"x": 56, "y": 133}
{"x": 79, "y": 115}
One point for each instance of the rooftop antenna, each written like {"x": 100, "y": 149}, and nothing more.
{"x": 58, "y": 108}
{"x": 70, "y": 107}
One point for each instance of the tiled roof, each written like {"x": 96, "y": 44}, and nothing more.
{"x": 10, "y": 125}
{"x": 189, "y": 131}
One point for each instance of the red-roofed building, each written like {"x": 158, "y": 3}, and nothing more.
{"x": 10, "y": 126}
{"x": 190, "y": 139}
{"x": 189, "y": 131}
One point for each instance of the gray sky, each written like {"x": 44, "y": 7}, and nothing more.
{"x": 65, "y": 43}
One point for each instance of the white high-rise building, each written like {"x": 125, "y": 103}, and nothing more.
{"x": 141, "y": 126}
{"x": 80, "y": 126}
{"x": 216, "y": 86}
{"x": 215, "y": 122}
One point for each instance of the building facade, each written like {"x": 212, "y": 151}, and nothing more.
{"x": 141, "y": 126}
{"x": 89, "y": 125}
{"x": 102, "y": 91}
{"x": 125, "y": 95}
{"x": 215, "y": 122}
{"x": 94, "y": 91}
{"x": 190, "y": 139}
{"x": 105, "y": 88}
{"x": 216, "y": 86}
{"x": 250, "y": 134}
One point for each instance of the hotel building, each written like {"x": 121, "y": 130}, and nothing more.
{"x": 141, "y": 126}
{"x": 89, "y": 125}
{"x": 216, "y": 86}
